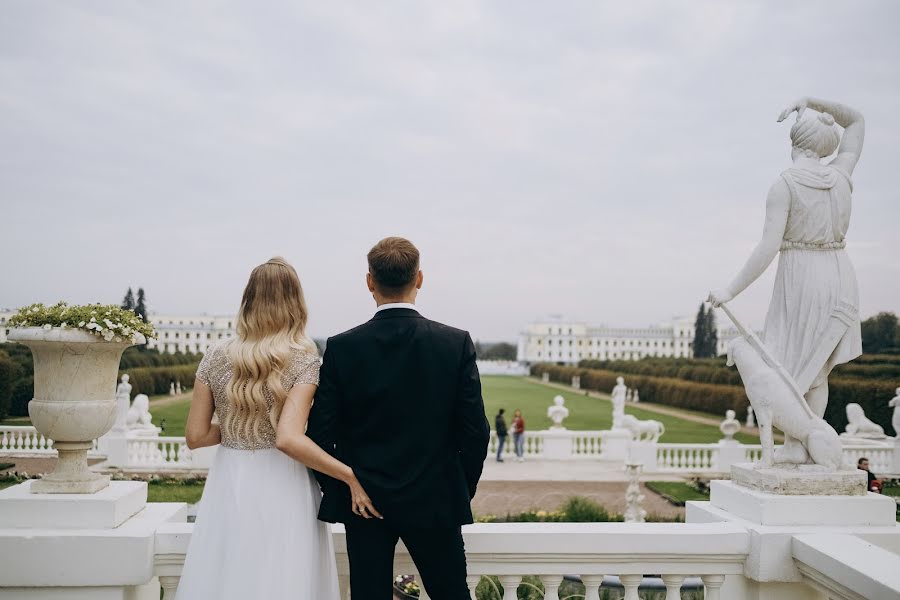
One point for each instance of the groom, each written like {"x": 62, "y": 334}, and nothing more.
{"x": 399, "y": 401}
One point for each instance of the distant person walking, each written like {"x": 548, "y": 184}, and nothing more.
{"x": 500, "y": 428}
{"x": 873, "y": 484}
{"x": 518, "y": 431}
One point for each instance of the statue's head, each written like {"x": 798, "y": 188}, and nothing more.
{"x": 897, "y": 392}
{"x": 855, "y": 412}
{"x": 559, "y": 401}
{"x": 729, "y": 415}
{"x": 125, "y": 378}
{"x": 620, "y": 380}
{"x": 142, "y": 402}
{"x": 814, "y": 137}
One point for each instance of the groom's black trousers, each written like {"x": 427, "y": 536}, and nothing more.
{"x": 438, "y": 552}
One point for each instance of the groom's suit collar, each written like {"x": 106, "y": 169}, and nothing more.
{"x": 403, "y": 311}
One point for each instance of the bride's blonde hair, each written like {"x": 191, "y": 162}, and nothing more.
{"x": 271, "y": 326}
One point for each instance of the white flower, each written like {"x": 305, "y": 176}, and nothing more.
{"x": 118, "y": 339}
{"x": 92, "y": 318}
{"x": 47, "y": 326}
{"x": 64, "y": 324}
{"x": 108, "y": 336}
{"x": 108, "y": 323}
{"x": 81, "y": 324}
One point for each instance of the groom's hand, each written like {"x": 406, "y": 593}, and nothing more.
{"x": 360, "y": 503}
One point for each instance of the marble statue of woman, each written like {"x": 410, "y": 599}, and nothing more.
{"x": 618, "y": 401}
{"x": 813, "y": 323}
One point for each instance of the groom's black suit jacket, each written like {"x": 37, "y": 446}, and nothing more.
{"x": 399, "y": 401}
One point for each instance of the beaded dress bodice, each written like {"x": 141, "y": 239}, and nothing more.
{"x": 215, "y": 371}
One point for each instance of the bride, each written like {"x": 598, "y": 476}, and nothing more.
{"x": 256, "y": 534}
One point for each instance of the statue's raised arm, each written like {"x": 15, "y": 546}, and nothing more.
{"x": 849, "y": 118}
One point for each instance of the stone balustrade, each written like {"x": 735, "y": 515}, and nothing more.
{"x": 551, "y": 551}
{"x": 170, "y": 453}
{"x": 714, "y": 552}
{"x": 25, "y": 440}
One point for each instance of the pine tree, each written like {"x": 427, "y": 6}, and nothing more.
{"x": 712, "y": 334}
{"x": 128, "y": 301}
{"x": 700, "y": 333}
{"x": 141, "y": 307}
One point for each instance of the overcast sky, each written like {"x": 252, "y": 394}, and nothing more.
{"x": 605, "y": 161}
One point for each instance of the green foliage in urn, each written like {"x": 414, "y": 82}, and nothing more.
{"x": 108, "y": 321}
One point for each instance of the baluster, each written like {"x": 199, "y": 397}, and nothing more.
{"x": 551, "y": 586}
{"x": 673, "y": 586}
{"x": 169, "y": 584}
{"x": 344, "y": 586}
{"x": 510, "y": 584}
{"x": 712, "y": 585}
{"x": 3, "y": 441}
{"x": 631, "y": 583}
{"x": 592, "y": 586}
{"x": 472, "y": 581}
{"x": 15, "y": 440}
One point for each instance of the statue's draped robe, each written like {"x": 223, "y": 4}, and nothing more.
{"x": 813, "y": 319}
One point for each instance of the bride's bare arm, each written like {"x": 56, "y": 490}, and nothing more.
{"x": 291, "y": 438}
{"x": 777, "y": 209}
{"x": 199, "y": 429}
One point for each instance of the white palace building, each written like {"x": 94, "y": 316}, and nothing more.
{"x": 561, "y": 341}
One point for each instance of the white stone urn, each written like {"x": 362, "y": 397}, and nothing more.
{"x": 74, "y": 403}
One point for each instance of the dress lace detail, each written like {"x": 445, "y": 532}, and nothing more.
{"x": 215, "y": 371}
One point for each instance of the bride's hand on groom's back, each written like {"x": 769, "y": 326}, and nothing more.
{"x": 360, "y": 503}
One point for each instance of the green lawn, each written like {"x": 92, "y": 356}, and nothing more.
{"x": 175, "y": 491}
{"x": 533, "y": 398}
{"x": 174, "y": 414}
{"x": 676, "y": 492}
{"x": 585, "y": 412}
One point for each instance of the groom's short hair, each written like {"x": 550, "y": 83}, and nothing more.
{"x": 393, "y": 264}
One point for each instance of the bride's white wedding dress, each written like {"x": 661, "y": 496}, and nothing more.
{"x": 256, "y": 534}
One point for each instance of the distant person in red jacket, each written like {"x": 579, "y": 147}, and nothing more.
{"x": 873, "y": 484}
{"x": 518, "y": 431}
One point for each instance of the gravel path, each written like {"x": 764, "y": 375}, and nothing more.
{"x": 499, "y": 498}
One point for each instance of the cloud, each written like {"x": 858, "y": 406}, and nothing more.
{"x": 606, "y": 161}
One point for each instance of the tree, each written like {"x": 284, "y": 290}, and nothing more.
{"x": 881, "y": 333}
{"x": 700, "y": 333}
{"x": 712, "y": 334}
{"x": 128, "y": 301}
{"x": 140, "y": 308}
{"x": 498, "y": 351}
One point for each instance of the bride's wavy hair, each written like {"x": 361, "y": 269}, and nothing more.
{"x": 271, "y": 327}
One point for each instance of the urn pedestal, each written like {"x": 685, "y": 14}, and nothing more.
{"x": 74, "y": 403}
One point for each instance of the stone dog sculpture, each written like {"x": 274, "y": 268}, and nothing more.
{"x": 776, "y": 402}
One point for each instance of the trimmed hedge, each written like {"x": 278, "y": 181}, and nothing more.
{"x": 9, "y": 374}
{"x": 156, "y": 380}
{"x": 706, "y": 397}
{"x": 872, "y": 394}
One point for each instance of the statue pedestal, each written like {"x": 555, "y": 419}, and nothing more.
{"x": 784, "y": 525}
{"x": 800, "y": 480}
{"x": 78, "y": 546}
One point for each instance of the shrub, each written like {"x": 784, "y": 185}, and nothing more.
{"x": 705, "y": 397}
{"x": 156, "y": 380}
{"x": 581, "y": 510}
{"x": 22, "y": 393}
{"x": 9, "y": 373}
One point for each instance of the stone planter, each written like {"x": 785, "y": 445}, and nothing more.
{"x": 74, "y": 401}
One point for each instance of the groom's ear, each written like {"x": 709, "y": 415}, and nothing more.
{"x": 370, "y": 282}
{"x": 419, "y": 278}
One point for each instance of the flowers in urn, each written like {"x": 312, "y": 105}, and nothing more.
{"x": 406, "y": 587}
{"x": 108, "y": 321}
